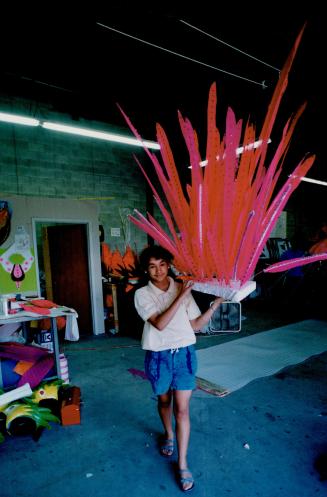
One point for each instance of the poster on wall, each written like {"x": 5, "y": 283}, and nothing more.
{"x": 5, "y": 220}
{"x": 17, "y": 266}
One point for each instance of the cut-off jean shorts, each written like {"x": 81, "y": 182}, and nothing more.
{"x": 172, "y": 369}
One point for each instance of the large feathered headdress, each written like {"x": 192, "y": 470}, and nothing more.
{"x": 217, "y": 231}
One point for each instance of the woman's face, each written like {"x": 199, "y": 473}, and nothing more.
{"x": 158, "y": 270}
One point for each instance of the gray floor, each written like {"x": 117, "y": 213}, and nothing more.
{"x": 113, "y": 452}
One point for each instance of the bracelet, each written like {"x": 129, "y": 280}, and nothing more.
{"x": 211, "y": 305}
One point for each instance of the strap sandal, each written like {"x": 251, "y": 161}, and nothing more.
{"x": 183, "y": 480}
{"x": 167, "y": 447}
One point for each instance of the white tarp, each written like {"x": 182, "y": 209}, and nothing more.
{"x": 233, "y": 364}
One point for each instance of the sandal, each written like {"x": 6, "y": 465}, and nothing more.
{"x": 167, "y": 447}
{"x": 185, "y": 479}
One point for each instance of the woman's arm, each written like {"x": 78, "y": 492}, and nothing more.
{"x": 202, "y": 320}
{"x": 160, "y": 321}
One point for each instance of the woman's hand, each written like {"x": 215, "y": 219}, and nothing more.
{"x": 202, "y": 320}
{"x": 160, "y": 321}
{"x": 186, "y": 288}
{"x": 216, "y": 303}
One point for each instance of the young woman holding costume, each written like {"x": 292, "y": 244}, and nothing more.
{"x": 171, "y": 318}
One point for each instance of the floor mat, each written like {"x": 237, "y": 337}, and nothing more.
{"x": 227, "y": 367}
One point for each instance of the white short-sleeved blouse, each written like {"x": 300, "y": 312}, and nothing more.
{"x": 150, "y": 300}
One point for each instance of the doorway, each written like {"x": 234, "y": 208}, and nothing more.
{"x": 62, "y": 253}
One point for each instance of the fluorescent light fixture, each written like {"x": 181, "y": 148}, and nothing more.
{"x": 16, "y": 119}
{"x": 250, "y": 146}
{"x": 75, "y": 130}
{"x": 317, "y": 181}
{"x": 239, "y": 150}
{"x": 101, "y": 135}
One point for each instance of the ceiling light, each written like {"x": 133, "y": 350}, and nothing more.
{"x": 239, "y": 150}
{"x": 101, "y": 135}
{"x": 15, "y": 119}
{"x": 75, "y": 130}
{"x": 317, "y": 181}
{"x": 250, "y": 146}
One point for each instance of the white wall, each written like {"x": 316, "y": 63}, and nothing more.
{"x": 27, "y": 210}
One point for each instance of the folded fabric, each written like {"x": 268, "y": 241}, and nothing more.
{"x": 37, "y": 372}
{"x": 22, "y": 366}
{"x": 42, "y": 360}
{"x": 10, "y": 333}
{"x": 43, "y": 303}
{"x": 72, "y": 331}
{"x": 13, "y": 350}
{"x": 37, "y": 310}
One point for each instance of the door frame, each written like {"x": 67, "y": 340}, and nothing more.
{"x": 90, "y": 258}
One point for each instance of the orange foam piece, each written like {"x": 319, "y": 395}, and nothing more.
{"x": 22, "y": 366}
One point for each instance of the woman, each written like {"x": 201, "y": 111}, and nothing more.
{"x": 171, "y": 316}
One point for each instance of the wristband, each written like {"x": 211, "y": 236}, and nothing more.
{"x": 212, "y": 308}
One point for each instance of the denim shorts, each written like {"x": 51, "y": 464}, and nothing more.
{"x": 172, "y": 369}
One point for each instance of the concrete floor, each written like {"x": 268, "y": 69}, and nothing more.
{"x": 113, "y": 452}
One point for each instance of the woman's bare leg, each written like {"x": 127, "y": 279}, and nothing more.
{"x": 165, "y": 413}
{"x": 183, "y": 427}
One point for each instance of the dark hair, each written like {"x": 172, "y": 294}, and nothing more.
{"x": 155, "y": 251}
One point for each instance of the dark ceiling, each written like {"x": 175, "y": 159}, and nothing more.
{"x": 84, "y": 69}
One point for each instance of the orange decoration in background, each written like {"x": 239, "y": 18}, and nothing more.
{"x": 117, "y": 264}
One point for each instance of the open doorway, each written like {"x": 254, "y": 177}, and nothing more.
{"x": 63, "y": 267}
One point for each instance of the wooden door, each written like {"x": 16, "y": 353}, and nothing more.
{"x": 67, "y": 270}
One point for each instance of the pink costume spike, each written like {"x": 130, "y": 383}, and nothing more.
{"x": 290, "y": 264}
